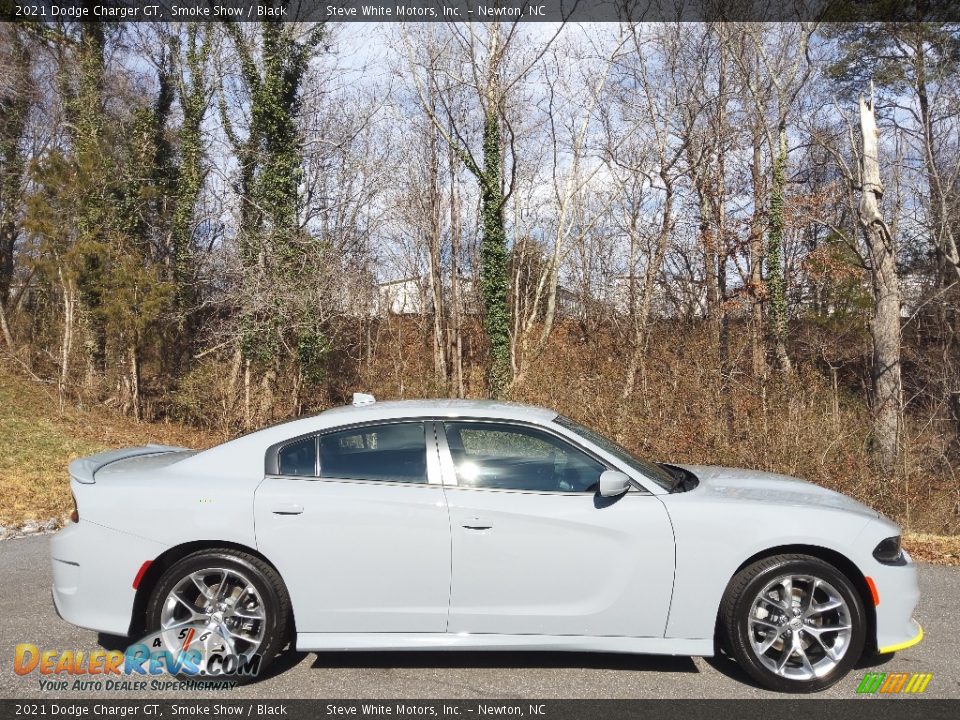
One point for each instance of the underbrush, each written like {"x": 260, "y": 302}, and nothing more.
{"x": 37, "y": 442}
{"x": 813, "y": 424}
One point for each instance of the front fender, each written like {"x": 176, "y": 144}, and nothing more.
{"x": 714, "y": 538}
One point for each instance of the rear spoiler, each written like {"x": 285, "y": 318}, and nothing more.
{"x": 83, "y": 469}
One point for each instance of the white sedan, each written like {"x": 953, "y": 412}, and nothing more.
{"x": 475, "y": 525}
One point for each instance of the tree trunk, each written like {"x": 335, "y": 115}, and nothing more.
{"x": 719, "y": 199}
{"x": 16, "y": 99}
{"x": 5, "y": 328}
{"x": 708, "y": 240}
{"x": 941, "y": 227}
{"x": 8, "y": 236}
{"x": 230, "y": 399}
{"x": 66, "y": 345}
{"x": 135, "y": 401}
{"x": 758, "y": 355}
{"x": 457, "y": 310}
{"x": 247, "y": 414}
{"x": 955, "y": 414}
{"x": 436, "y": 271}
{"x": 633, "y": 311}
{"x": 267, "y": 383}
{"x": 885, "y": 324}
{"x": 493, "y": 256}
{"x": 775, "y": 280}
{"x": 640, "y": 311}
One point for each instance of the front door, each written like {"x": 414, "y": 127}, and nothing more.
{"x": 357, "y": 525}
{"x": 537, "y": 551}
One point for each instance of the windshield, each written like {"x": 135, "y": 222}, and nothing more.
{"x": 656, "y": 473}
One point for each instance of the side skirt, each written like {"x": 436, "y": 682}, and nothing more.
{"x": 313, "y": 642}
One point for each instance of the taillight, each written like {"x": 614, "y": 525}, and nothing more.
{"x": 75, "y": 515}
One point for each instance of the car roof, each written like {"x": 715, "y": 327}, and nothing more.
{"x": 436, "y": 408}
{"x": 244, "y": 455}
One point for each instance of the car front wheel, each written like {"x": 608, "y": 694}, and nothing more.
{"x": 794, "y": 623}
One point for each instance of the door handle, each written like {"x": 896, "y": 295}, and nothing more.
{"x": 475, "y": 524}
{"x": 287, "y": 509}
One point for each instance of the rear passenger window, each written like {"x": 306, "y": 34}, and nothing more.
{"x": 395, "y": 453}
{"x": 299, "y": 458}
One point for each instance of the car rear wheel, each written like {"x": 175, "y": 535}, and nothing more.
{"x": 225, "y": 603}
{"x": 794, "y": 623}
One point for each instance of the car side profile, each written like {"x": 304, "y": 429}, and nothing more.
{"x": 479, "y": 525}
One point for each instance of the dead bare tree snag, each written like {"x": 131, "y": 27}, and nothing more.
{"x": 885, "y": 323}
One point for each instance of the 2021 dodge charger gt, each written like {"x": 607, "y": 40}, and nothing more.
{"x": 475, "y": 525}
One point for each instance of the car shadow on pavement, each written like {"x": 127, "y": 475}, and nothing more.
{"x": 726, "y": 665}
{"x": 113, "y": 642}
{"x": 285, "y": 660}
{"x": 495, "y": 659}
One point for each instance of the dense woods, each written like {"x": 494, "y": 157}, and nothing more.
{"x": 719, "y": 243}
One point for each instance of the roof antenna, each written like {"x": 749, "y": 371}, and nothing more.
{"x": 361, "y": 399}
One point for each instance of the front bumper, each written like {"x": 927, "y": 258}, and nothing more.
{"x": 898, "y": 593}
{"x": 918, "y": 636}
{"x": 93, "y": 572}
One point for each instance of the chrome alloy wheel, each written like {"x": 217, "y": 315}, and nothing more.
{"x": 799, "y": 627}
{"x": 225, "y": 601}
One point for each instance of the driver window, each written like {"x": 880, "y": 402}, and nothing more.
{"x": 513, "y": 457}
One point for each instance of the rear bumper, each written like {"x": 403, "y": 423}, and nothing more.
{"x": 93, "y": 572}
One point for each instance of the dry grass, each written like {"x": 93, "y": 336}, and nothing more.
{"x": 803, "y": 425}
{"x": 935, "y": 549}
{"x": 37, "y": 442}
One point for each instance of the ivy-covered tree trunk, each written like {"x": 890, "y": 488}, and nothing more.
{"x": 494, "y": 278}
{"x": 273, "y": 250}
{"x": 15, "y": 103}
{"x": 85, "y": 109}
{"x": 194, "y": 91}
{"x": 776, "y": 289}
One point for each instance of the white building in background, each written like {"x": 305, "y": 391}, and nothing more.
{"x": 411, "y": 296}
{"x": 914, "y": 291}
{"x": 679, "y": 297}
{"x": 406, "y": 296}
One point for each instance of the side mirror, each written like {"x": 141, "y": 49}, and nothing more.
{"x": 613, "y": 483}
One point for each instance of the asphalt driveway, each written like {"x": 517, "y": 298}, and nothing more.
{"x": 27, "y": 615}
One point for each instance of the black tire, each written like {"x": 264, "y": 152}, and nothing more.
{"x": 737, "y": 605}
{"x": 266, "y": 581}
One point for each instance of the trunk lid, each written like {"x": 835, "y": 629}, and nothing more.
{"x": 86, "y": 469}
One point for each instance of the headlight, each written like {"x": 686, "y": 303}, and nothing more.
{"x": 75, "y": 515}
{"x": 888, "y": 551}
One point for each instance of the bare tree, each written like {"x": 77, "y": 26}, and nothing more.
{"x": 666, "y": 108}
{"x": 774, "y": 69}
{"x": 885, "y": 325}
{"x": 492, "y": 62}
{"x": 572, "y": 174}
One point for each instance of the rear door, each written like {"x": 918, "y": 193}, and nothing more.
{"x": 357, "y": 524}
